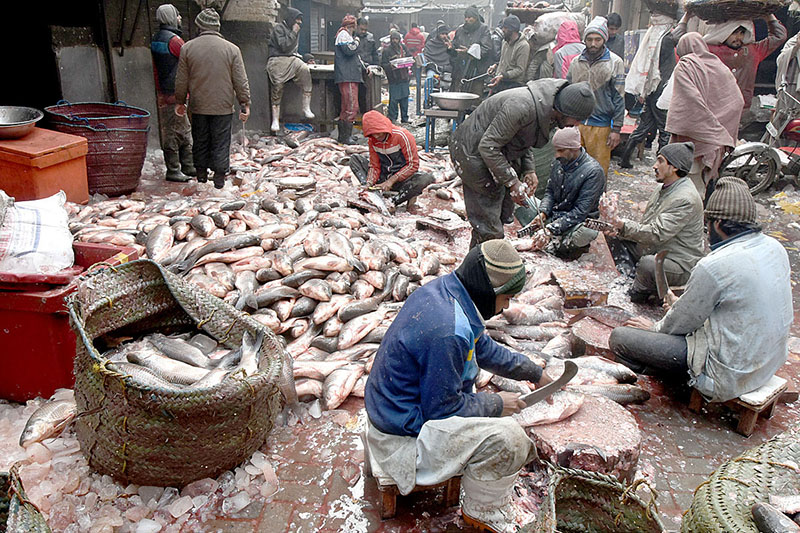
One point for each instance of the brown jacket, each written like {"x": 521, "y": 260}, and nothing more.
{"x": 211, "y": 70}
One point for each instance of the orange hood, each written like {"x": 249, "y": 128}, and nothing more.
{"x": 375, "y": 122}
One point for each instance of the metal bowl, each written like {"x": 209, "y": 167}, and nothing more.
{"x": 16, "y": 122}
{"x": 455, "y": 101}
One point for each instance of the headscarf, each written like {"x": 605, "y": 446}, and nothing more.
{"x": 719, "y": 33}
{"x": 644, "y": 75}
{"x": 710, "y": 100}
{"x": 568, "y": 32}
{"x": 346, "y": 21}
{"x": 167, "y": 14}
{"x": 292, "y": 15}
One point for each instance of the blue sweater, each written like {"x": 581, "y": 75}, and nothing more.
{"x": 426, "y": 366}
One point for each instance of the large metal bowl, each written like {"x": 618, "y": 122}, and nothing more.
{"x": 455, "y": 101}
{"x": 16, "y": 122}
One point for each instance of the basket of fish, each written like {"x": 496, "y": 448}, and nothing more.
{"x": 717, "y": 11}
{"x": 153, "y": 408}
{"x": 17, "y": 513}
{"x": 740, "y": 494}
{"x": 579, "y": 500}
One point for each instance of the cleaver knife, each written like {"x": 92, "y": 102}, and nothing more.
{"x": 570, "y": 369}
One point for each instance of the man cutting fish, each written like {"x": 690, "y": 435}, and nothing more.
{"x": 393, "y": 163}
{"x": 426, "y": 424}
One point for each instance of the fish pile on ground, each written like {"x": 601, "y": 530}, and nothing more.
{"x": 75, "y": 499}
{"x": 326, "y": 277}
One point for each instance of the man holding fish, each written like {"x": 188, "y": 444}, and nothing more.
{"x": 426, "y": 424}
{"x": 393, "y": 163}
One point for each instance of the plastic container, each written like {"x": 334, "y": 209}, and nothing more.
{"x": 37, "y": 346}
{"x": 43, "y": 163}
{"x": 117, "y": 135}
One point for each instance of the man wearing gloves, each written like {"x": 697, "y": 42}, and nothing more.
{"x": 573, "y": 193}
{"x": 491, "y": 148}
{"x": 425, "y": 422}
{"x": 348, "y": 75}
{"x": 176, "y": 133}
{"x": 211, "y": 70}
{"x": 605, "y": 72}
{"x": 510, "y": 70}
{"x": 729, "y": 330}
{"x": 650, "y": 71}
{"x": 393, "y": 163}
{"x": 733, "y": 42}
{"x": 284, "y": 64}
{"x": 672, "y": 221}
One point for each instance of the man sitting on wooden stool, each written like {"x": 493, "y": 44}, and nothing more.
{"x": 730, "y": 329}
{"x": 426, "y": 424}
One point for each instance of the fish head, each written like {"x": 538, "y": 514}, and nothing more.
{"x": 35, "y": 431}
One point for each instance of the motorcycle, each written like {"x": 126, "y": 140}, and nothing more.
{"x": 761, "y": 163}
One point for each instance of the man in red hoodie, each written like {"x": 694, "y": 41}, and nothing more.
{"x": 393, "y": 163}
{"x": 414, "y": 40}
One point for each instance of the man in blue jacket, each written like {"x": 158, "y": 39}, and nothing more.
{"x": 573, "y": 194}
{"x": 426, "y": 424}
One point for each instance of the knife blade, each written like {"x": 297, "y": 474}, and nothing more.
{"x": 570, "y": 369}
{"x": 662, "y": 285}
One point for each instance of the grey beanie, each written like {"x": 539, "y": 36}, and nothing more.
{"x": 208, "y": 20}
{"x": 503, "y": 266}
{"x": 512, "y": 23}
{"x": 680, "y": 156}
{"x": 731, "y": 200}
{"x": 576, "y": 100}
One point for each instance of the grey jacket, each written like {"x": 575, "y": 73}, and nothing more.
{"x": 505, "y": 126}
{"x": 283, "y": 41}
{"x": 212, "y": 71}
{"x": 368, "y": 49}
{"x": 606, "y": 75}
{"x": 673, "y": 221}
{"x": 735, "y": 313}
{"x": 573, "y": 193}
{"x": 514, "y": 60}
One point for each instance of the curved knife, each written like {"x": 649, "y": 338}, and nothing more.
{"x": 570, "y": 369}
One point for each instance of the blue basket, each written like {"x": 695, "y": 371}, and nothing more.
{"x": 299, "y": 127}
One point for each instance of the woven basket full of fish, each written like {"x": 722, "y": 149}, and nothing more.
{"x": 722, "y": 503}
{"x": 716, "y": 11}
{"x": 579, "y": 501}
{"x": 157, "y": 436}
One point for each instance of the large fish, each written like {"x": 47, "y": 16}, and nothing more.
{"x": 317, "y": 289}
{"x": 246, "y": 283}
{"x": 559, "y": 406}
{"x": 326, "y": 310}
{"x": 339, "y": 384}
{"x": 510, "y": 385}
{"x": 316, "y": 369}
{"x": 309, "y": 387}
{"x": 768, "y": 519}
{"x": 159, "y": 242}
{"x": 48, "y": 421}
{"x": 224, "y": 244}
{"x": 143, "y": 377}
{"x": 341, "y": 246}
{"x": 357, "y": 328}
{"x": 331, "y": 263}
{"x": 167, "y": 369}
{"x": 315, "y": 243}
{"x": 180, "y": 350}
{"x": 622, "y": 394}
{"x": 528, "y": 315}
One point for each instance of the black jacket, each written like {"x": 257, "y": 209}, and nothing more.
{"x": 283, "y": 41}
{"x": 368, "y": 49}
{"x": 394, "y": 75}
{"x": 573, "y": 193}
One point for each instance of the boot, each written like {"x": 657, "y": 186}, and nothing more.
{"x": 174, "y": 167}
{"x": 345, "y": 130}
{"x": 187, "y": 161}
{"x": 276, "y": 118}
{"x": 625, "y": 162}
{"x": 411, "y": 205}
{"x": 487, "y": 505}
{"x": 307, "y": 105}
{"x": 219, "y": 180}
{"x": 202, "y": 175}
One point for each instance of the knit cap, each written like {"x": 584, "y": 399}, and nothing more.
{"x": 503, "y": 266}
{"x": 576, "y": 100}
{"x": 167, "y": 14}
{"x": 680, "y": 156}
{"x": 512, "y": 23}
{"x": 207, "y": 20}
{"x": 731, "y": 200}
{"x": 569, "y": 138}
{"x": 598, "y": 25}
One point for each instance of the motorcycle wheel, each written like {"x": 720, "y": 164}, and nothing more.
{"x": 758, "y": 170}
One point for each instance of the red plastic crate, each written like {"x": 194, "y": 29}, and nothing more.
{"x": 37, "y": 346}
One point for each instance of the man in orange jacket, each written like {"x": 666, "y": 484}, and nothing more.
{"x": 393, "y": 163}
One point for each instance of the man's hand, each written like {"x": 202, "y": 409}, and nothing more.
{"x": 518, "y": 192}
{"x": 494, "y": 81}
{"x": 386, "y": 185}
{"x": 540, "y": 219}
{"x": 244, "y": 114}
{"x": 511, "y": 403}
{"x": 531, "y": 180}
{"x": 492, "y": 69}
{"x": 613, "y": 140}
{"x": 669, "y": 300}
{"x": 639, "y": 322}
{"x": 180, "y": 110}
{"x": 296, "y": 28}
{"x": 540, "y": 239}
{"x": 461, "y": 50}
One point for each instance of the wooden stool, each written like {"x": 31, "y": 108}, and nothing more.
{"x": 389, "y": 491}
{"x": 750, "y": 406}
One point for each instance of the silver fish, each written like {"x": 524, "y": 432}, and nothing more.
{"x": 559, "y": 406}
{"x": 167, "y": 369}
{"x": 159, "y": 242}
{"x": 339, "y": 384}
{"x": 180, "y": 350}
{"x": 48, "y": 421}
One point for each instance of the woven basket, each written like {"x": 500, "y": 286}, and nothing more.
{"x": 663, "y": 7}
{"x": 723, "y": 502}
{"x": 17, "y": 513}
{"x": 159, "y": 437}
{"x": 716, "y": 11}
{"x": 578, "y": 501}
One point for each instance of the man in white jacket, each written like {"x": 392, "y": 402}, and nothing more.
{"x": 729, "y": 330}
